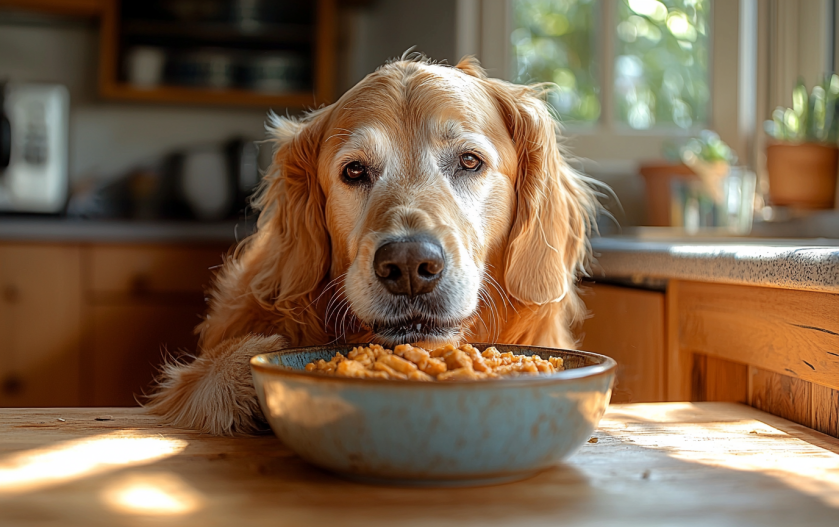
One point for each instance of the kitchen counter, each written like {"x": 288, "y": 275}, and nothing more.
{"x": 63, "y": 230}
{"x": 652, "y": 464}
{"x": 805, "y": 264}
{"x": 810, "y": 265}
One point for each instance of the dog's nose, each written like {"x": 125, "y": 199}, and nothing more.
{"x": 410, "y": 267}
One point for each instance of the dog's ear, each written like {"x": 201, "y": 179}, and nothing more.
{"x": 548, "y": 242}
{"x": 291, "y": 251}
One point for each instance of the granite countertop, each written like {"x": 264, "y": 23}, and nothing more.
{"x": 806, "y": 264}
{"x": 64, "y": 230}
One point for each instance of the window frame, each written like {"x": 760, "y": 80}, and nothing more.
{"x": 607, "y": 145}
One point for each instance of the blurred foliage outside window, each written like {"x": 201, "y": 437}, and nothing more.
{"x": 660, "y": 59}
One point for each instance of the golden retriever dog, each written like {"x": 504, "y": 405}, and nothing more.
{"x": 429, "y": 204}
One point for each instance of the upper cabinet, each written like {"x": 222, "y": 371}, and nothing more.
{"x": 263, "y": 53}
{"x": 228, "y": 52}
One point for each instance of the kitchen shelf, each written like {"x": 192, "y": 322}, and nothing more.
{"x": 218, "y": 32}
{"x": 221, "y": 97}
{"x": 318, "y": 39}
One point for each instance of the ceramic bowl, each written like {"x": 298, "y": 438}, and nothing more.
{"x": 433, "y": 433}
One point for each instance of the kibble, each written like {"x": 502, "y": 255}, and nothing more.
{"x": 447, "y": 363}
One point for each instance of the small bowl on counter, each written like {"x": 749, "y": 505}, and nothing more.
{"x": 446, "y": 433}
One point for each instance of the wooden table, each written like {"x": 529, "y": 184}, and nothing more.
{"x": 652, "y": 464}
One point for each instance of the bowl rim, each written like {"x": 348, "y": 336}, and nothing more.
{"x": 607, "y": 366}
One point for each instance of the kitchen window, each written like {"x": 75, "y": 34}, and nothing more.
{"x": 658, "y": 60}
{"x": 630, "y": 74}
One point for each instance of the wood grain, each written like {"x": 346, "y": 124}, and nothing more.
{"x": 781, "y": 395}
{"x": 653, "y": 465}
{"x": 698, "y": 378}
{"x": 791, "y": 332}
{"x": 714, "y": 379}
{"x": 679, "y": 361}
{"x": 628, "y": 325}
{"x": 108, "y": 47}
{"x": 129, "y": 343}
{"x": 40, "y": 324}
{"x": 726, "y": 381}
{"x": 325, "y": 51}
{"x": 825, "y": 405}
{"x": 132, "y": 270}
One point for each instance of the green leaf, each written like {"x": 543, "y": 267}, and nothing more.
{"x": 793, "y": 124}
{"x": 780, "y": 127}
{"x": 816, "y": 124}
{"x": 800, "y": 105}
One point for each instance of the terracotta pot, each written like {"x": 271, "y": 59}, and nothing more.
{"x": 802, "y": 175}
{"x": 658, "y": 177}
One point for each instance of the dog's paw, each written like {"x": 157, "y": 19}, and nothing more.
{"x": 214, "y": 393}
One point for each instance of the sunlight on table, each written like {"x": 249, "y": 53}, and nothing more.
{"x": 747, "y": 445}
{"x": 160, "y": 494}
{"x": 71, "y": 460}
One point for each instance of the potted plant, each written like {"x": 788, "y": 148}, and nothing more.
{"x": 802, "y": 158}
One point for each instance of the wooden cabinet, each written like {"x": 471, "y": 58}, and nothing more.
{"x": 90, "y": 324}
{"x": 128, "y": 343}
{"x": 236, "y": 43}
{"x": 40, "y": 325}
{"x": 143, "y": 303}
{"x": 140, "y": 273}
{"x": 628, "y": 325}
{"x": 775, "y": 349}
{"x": 313, "y": 39}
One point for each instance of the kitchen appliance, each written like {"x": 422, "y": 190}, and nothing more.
{"x": 216, "y": 182}
{"x": 33, "y": 147}
{"x": 207, "y": 182}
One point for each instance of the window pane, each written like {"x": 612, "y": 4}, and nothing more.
{"x": 661, "y": 63}
{"x": 553, "y": 41}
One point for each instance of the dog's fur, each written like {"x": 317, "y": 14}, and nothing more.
{"x": 515, "y": 233}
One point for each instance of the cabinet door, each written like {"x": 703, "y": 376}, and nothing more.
{"x": 40, "y": 325}
{"x": 162, "y": 273}
{"x": 628, "y": 325}
{"x": 143, "y": 302}
{"x": 129, "y": 345}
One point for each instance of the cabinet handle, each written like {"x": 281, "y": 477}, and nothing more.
{"x": 11, "y": 294}
{"x": 12, "y": 384}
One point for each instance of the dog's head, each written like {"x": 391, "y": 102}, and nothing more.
{"x": 422, "y": 190}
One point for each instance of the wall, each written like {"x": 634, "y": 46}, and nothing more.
{"x": 384, "y": 30}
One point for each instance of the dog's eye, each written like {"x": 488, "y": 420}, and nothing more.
{"x": 355, "y": 172}
{"x": 470, "y": 162}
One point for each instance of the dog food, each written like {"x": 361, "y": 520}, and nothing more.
{"x": 447, "y": 363}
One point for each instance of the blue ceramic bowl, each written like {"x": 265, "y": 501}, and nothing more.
{"x": 440, "y": 433}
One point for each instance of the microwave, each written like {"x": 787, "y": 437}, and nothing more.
{"x": 33, "y": 147}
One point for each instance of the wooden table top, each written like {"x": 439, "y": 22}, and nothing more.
{"x": 652, "y": 464}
